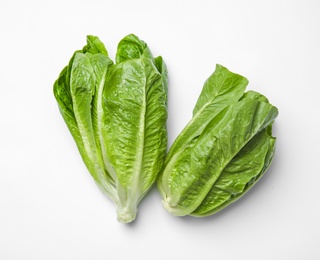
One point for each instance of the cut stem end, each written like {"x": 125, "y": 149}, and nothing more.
{"x": 126, "y": 215}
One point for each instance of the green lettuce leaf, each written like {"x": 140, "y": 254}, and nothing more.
{"x": 221, "y": 89}
{"x": 131, "y": 47}
{"x": 75, "y": 90}
{"x": 135, "y": 136}
{"x": 245, "y": 169}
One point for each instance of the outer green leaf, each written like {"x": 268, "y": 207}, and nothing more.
{"x": 136, "y": 138}
{"x": 221, "y": 89}
{"x": 94, "y": 46}
{"x": 162, "y": 68}
{"x": 131, "y": 47}
{"x": 63, "y": 97}
{"x": 74, "y": 91}
{"x": 245, "y": 169}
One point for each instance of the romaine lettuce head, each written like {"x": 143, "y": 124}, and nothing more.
{"x": 222, "y": 152}
{"x": 116, "y": 113}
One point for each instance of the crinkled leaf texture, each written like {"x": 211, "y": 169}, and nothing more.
{"x": 222, "y": 152}
{"x": 117, "y": 115}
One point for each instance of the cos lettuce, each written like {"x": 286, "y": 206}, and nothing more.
{"x": 116, "y": 113}
{"x": 222, "y": 152}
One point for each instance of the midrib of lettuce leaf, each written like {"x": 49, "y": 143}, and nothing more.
{"x": 101, "y": 65}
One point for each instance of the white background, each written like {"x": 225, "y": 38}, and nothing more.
{"x": 50, "y": 208}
